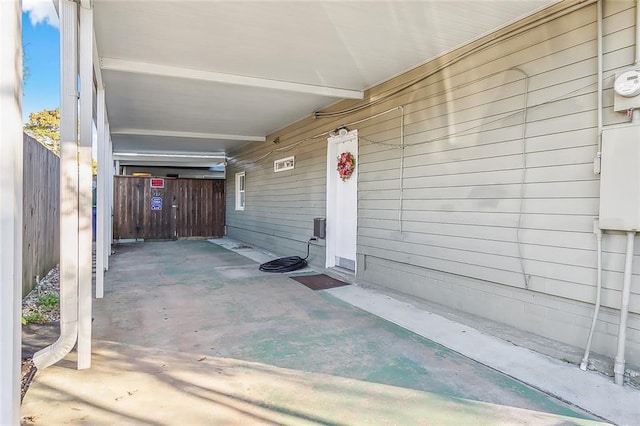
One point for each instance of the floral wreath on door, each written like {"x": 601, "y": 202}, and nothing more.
{"x": 346, "y": 165}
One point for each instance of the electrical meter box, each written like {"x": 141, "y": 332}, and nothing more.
{"x": 626, "y": 89}
{"x": 620, "y": 178}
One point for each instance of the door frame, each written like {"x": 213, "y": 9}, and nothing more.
{"x": 332, "y": 180}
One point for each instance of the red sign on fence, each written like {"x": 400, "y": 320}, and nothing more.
{"x": 157, "y": 183}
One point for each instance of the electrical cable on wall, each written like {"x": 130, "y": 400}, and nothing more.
{"x": 523, "y": 175}
{"x": 401, "y": 171}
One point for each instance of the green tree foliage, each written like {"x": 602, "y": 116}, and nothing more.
{"x": 44, "y": 126}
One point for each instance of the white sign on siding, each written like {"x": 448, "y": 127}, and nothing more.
{"x": 284, "y": 164}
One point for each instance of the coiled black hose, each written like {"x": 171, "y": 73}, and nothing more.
{"x": 286, "y": 264}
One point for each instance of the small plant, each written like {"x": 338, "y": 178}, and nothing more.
{"x": 33, "y": 317}
{"x": 48, "y": 301}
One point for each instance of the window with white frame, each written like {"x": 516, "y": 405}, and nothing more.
{"x": 240, "y": 187}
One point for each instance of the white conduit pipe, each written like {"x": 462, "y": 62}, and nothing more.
{"x": 596, "y": 224}
{"x": 585, "y": 359}
{"x": 600, "y": 83}
{"x": 618, "y": 367}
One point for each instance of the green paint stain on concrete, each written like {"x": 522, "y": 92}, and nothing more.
{"x": 297, "y": 349}
{"x": 543, "y": 401}
{"x": 402, "y": 372}
{"x": 337, "y": 302}
{"x": 319, "y": 314}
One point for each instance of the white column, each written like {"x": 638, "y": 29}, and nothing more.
{"x": 109, "y": 197}
{"x": 85, "y": 188}
{"x": 10, "y": 210}
{"x": 68, "y": 189}
{"x": 101, "y": 195}
{"x": 103, "y": 245}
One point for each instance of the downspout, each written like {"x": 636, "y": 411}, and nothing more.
{"x": 596, "y": 170}
{"x": 68, "y": 190}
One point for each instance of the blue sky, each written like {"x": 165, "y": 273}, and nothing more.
{"x": 41, "y": 41}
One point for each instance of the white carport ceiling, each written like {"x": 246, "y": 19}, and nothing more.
{"x": 208, "y": 76}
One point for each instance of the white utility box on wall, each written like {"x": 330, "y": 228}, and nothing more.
{"x": 620, "y": 178}
{"x": 626, "y": 89}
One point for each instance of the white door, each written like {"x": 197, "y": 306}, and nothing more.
{"x": 342, "y": 204}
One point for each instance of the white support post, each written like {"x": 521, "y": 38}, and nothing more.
{"x": 109, "y": 176}
{"x": 68, "y": 189}
{"x": 101, "y": 195}
{"x": 85, "y": 187}
{"x": 10, "y": 210}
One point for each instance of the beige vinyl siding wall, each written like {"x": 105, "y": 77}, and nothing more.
{"x": 279, "y": 207}
{"x": 462, "y": 180}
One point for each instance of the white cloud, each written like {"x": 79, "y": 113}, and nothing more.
{"x": 41, "y": 11}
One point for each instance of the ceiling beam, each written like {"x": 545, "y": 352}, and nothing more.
{"x": 121, "y": 65}
{"x": 170, "y": 159}
{"x": 151, "y": 156}
{"x": 169, "y": 163}
{"x": 191, "y": 135}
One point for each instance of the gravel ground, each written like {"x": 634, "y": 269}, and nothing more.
{"x": 32, "y": 308}
{"x": 48, "y": 285}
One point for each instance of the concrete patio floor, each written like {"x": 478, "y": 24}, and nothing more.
{"x": 192, "y": 333}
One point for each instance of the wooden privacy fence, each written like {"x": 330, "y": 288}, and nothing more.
{"x": 41, "y": 212}
{"x": 174, "y": 208}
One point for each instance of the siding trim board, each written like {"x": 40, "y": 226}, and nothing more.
{"x": 458, "y": 181}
